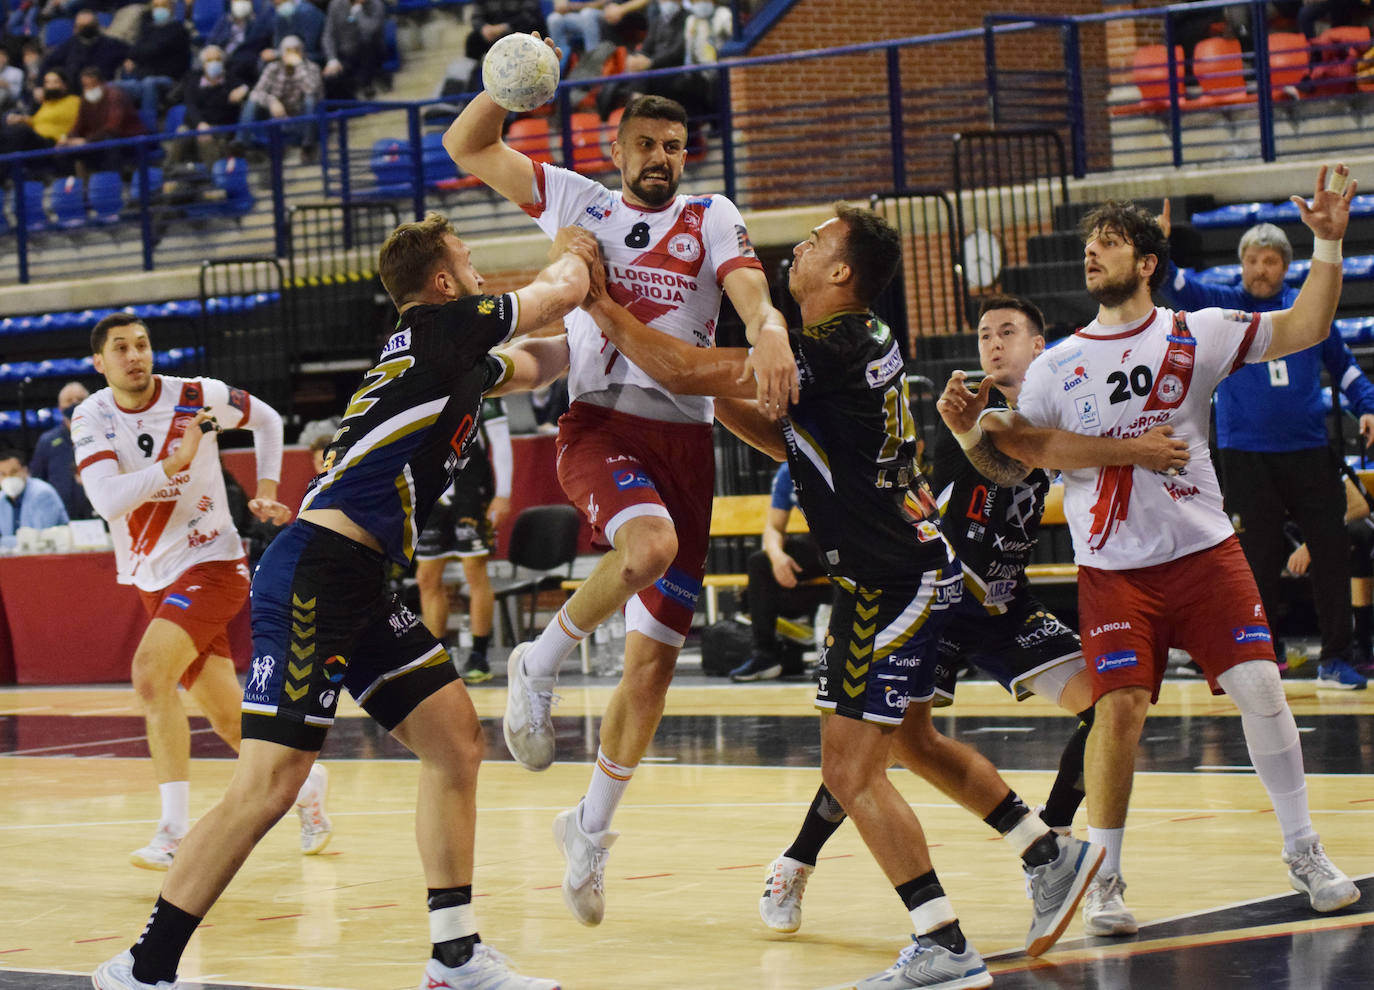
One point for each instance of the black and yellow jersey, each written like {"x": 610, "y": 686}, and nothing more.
{"x": 408, "y": 428}
{"x": 851, "y": 444}
{"x": 993, "y": 527}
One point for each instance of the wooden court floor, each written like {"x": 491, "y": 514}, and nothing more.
{"x": 729, "y": 777}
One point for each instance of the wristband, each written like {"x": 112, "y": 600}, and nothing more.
{"x": 970, "y": 439}
{"x": 1328, "y": 251}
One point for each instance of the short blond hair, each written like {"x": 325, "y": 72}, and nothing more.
{"x": 410, "y": 254}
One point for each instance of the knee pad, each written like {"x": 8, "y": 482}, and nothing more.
{"x": 1255, "y": 688}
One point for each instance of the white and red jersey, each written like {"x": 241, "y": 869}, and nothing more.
{"x": 1121, "y": 382}
{"x": 162, "y": 527}
{"x": 665, "y": 265}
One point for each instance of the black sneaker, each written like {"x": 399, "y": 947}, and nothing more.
{"x": 757, "y": 668}
{"x": 477, "y": 669}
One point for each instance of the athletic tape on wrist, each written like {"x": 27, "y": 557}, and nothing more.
{"x": 1328, "y": 251}
{"x": 968, "y": 440}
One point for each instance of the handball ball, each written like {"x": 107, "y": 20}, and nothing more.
{"x": 520, "y": 72}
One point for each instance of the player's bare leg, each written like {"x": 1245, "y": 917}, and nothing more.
{"x": 481, "y": 610}
{"x": 434, "y": 599}
{"x": 1109, "y": 774}
{"x": 216, "y": 690}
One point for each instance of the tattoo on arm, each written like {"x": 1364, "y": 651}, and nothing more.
{"x": 994, "y": 465}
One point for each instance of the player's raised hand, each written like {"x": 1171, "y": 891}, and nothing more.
{"x": 1329, "y": 211}
{"x": 959, "y": 406}
{"x": 1165, "y": 218}
{"x": 1160, "y": 451}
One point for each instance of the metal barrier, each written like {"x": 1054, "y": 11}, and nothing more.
{"x": 927, "y": 295}
{"x": 248, "y": 346}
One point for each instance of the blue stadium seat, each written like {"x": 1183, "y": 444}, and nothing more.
{"x": 1356, "y": 329}
{"x": 206, "y": 14}
{"x": 154, "y": 185}
{"x": 390, "y": 163}
{"x": 1285, "y": 212}
{"x": 56, "y": 31}
{"x": 391, "y": 49}
{"x": 1233, "y": 215}
{"x": 1297, "y": 271}
{"x": 10, "y": 420}
{"x": 1362, "y": 206}
{"x": 105, "y": 195}
{"x": 1221, "y": 275}
{"x": 176, "y": 116}
{"x": 1358, "y": 269}
{"x": 68, "y": 202}
{"x": 35, "y": 219}
{"x": 435, "y": 160}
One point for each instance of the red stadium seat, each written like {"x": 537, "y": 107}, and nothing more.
{"x": 591, "y": 144}
{"x": 1150, "y": 75}
{"x": 530, "y": 135}
{"x": 1220, "y": 70}
{"x": 1287, "y": 62}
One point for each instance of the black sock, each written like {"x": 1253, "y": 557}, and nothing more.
{"x": 479, "y": 646}
{"x": 164, "y": 938}
{"x": 822, "y": 819}
{"x": 1067, "y": 793}
{"x": 1007, "y": 814}
{"x": 926, "y": 888}
{"x": 456, "y": 951}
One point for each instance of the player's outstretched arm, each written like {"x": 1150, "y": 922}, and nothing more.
{"x": 533, "y": 362}
{"x": 675, "y": 364}
{"x": 474, "y": 143}
{"x": 743, "y": 418}
{"x": 772, "y": 367}
{"x": 563, "y": 284}
{"x": 1308, "y": 321}
{"x": 1018, "y": 442}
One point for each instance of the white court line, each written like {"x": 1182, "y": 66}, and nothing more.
{"x": 187, "y": 983}
{"x": 95, "y": 742}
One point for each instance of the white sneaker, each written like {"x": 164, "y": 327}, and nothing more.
{"x": 528, "y": 724}
{"x": 316, "y": 828}
{"x": 1055, "y": 890}
{"x": 157, "y": 855}
{"x": 1311, "y": 872}
{"x": 1104, "y": 909}
{"x": 118, "y": 974}
{"x": 486, "y": 970}
{"x": 927, "y": 965}
{"x": 584, "y": 878}
{"x": 780, "y": 905}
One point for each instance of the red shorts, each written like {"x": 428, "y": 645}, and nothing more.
{"x": 1205, "y": 603}
{"x": 202, "y": 601}
{"x": 615, "y": 467}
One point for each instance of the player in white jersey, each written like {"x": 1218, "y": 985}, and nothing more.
{"x": 148, "y": 456}
{"x": 1159, "y": 562}
{"x": 635, "y": 458}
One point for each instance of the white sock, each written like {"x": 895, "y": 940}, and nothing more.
{"x": 176, "y": 806}
{"x": 609, "y": 780}
{"x": 1110, "y": 840}
{"x": 554, "y": 645}
{"x": 1290, "y": 807}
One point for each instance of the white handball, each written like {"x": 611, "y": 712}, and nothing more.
{"x": 520, "y": 72}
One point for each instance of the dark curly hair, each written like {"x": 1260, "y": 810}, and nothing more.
{"x": 1138, "y": 226}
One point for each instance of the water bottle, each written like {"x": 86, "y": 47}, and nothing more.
{"x": 608, "y": 647}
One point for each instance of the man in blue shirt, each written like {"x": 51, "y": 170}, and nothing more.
{"x": 53, "y": 458}
{"x": 1276, "y": 458}
{"x": 26, "y": 501}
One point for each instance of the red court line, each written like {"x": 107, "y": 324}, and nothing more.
{"x": 281, "y": 917}
{"x": 650, "y": 876}
{"x": 103, "y": 938}
{"x": 5, "y": 952}
{"x": 1193, "y": 818}
{"x": 372, "y": 907}
{"x": 745, "y": 866}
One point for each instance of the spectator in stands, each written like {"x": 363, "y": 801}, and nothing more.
{"x": 576, "y": 26}
{"x": 31, "y": 55}
{"x": 229, "y": 35}
{"x": 298, "y": 19}
{"x": 353, "y": 43}
{"x": 778, "y": 585}
{"x": 290, "y": 86}
{"x": 88, "y": 47}
{"x": 1334, "y": 13}
{"x": 26, "y": 501}
{"x": 106, "y": 113}
{"x": 1275, "y": 456}
{"x": 11, "y": 83}
{"x": 160, "y": 56}
{"x": 54, "y": 459}
{"x": 626, "y": 22}
{"x": 212, "y": 100}
{"x": 52, "y": 121}
{"x": 492, "y": 20}
{"x": 665, "y": 46}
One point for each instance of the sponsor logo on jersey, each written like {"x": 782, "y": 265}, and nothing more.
{"x": 895, "y": 699}
{"x": 1176, "y": 339}
{"x": 1170, "y": 388}
{"x": 949, "y": 594}
{"x": 402, "y": 620}
{"x": 401, "y": 341}
{"x": 1079, "y": 377}
{"x": 196, "y": 538}
{"x": 925, "y": 532}
{"x": 180, "y": 601}
{"x": 1058, "y": 360}
{"x": 486, "y": 306}
{"x": 881, "y": 371}
{"x": 746, "y": 248}
{"x": 677, "y": 586}
{"x": 599, "y": 212}
{"x": 1182, "y": 359}
{"x": 631, "y": 479}
{"x": 1000, "y": 591}
{"x": 1237, "y": 316}
{"x": 684, "y": 247}
{"x": 1086, "y": 407}
{"x": 238, "y": 398}
{"x": 1252, "y": 634}
{"x": 1181, "y": 493}
{"x": 1115, "y": 661}
{"x": 1107, "y": 627}
{"x": 205, "y": 503}
{"x": 260, "y": 673}
{"x": 83, "y": 441}
{"x": 337, "y": 674}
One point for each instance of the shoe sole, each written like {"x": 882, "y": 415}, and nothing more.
{"x": 560, "y": 831}
{"x": 776, "y": 928}
{"x": 767, "y": 674}
{"x": 147, "y": 864}
{"x": 1111, "y": 931}
{"x": 1338, "y": 686}
{"x": 1070, "y": 906}
{"x": 477, "y": 677}
{"x": 1326, "y": 910}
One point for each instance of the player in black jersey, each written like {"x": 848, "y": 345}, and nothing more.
{"x": 851, "y": 444}
{"x": 324, "y": 618}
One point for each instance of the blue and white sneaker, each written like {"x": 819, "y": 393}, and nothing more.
{"x": 1056, "y": 889}
{"x": 1337, "y": 675}
{"x": 927, "y": 964}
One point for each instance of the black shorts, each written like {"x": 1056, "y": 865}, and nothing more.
{"x": 324, "y": 618}
{"x": 458, "y": 526}
{"x": 880, "y": 649}
{"x": 1010, "y": 648}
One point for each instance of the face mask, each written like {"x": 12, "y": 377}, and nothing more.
{"x": 54, "y": 93}
{"x": 667, "y": 9}
{"x": 68, "y": 410}
{"x": 241, "y": 8}
{"x": 89, "y": 31}
{"x": 213, "y": 70}
{"x": 291, "y": 59}
{"x": 704, "y": 9}
{"x": 93, "y": 95}
{"x": 161, "y": 15}
{"x": 286, "y": 9}
{"x": 12, "y": 486}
